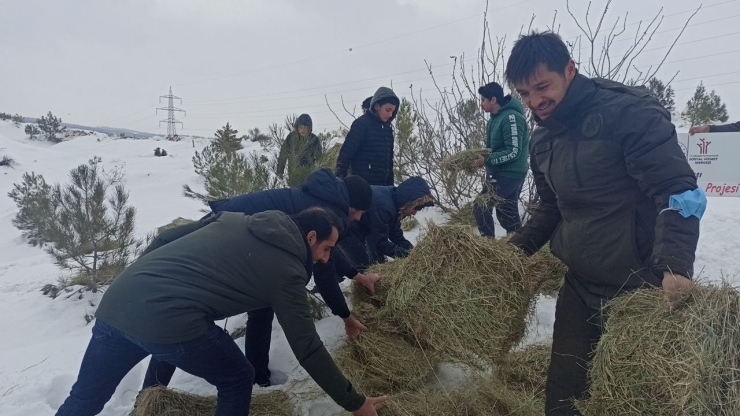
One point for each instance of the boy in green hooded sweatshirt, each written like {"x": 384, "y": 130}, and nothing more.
{"x": 506, "y": 166}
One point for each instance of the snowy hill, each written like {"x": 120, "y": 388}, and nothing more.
{"x": 42, "y": 340}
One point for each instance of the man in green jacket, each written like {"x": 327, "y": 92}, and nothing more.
{"x": 301, "y": 151}
{"x": 165, "y": 304}
{"x": 506, "y": 167}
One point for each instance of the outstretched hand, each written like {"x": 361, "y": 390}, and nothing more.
{"x": 675, "y": 284}
{"x": 368, "y": 409}
{"x": 353, "y": 327}
{"x": 698, "y": 129}
{"x": 480, "y": 161}
{"x": 368, "y": 280}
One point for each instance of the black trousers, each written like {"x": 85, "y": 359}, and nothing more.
{"x": 578, "y": 327}
{"x": 503, "y": 194}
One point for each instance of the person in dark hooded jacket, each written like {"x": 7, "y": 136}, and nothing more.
{"x": 348, "y": 198}
{"x": 381, "y": 224}
{"x": 367, "y": 150}
{"x": 301, "y": 151}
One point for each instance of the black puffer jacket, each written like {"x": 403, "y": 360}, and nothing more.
{"x": 382, "y": 222}
{"x": 368, "y": 149}
{"x": 605, "y": 163}
{"x": 321, "y": 189}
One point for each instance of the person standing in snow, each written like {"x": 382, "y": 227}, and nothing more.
{"x": 619, "y": 202}
{"x": 380, "y": 228}
{"x": 301, "y": 151}
{"x": 724, "y": 128}
{"x": 367, "y": 150}
{"x": 366, "y": 105}
{"x": 166, "y": 302}
{"x": 348, "y": 198}
{"x": 506, "y": 166}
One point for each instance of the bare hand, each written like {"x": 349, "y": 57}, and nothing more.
{"x": 353, "y": 327}
{"x": 698, "y": 129}
{"x": 368, "y": 280}
{"x": 675, "y": 284}
{"x": 368, "y": 409}
{"x": 480, "y": 161}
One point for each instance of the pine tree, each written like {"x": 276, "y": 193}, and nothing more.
{"x": 704, "y": 108}
{"x": 228, "y": 174}
{"x": 663, "y": 93}
{"x": 227, "y": 139}
{"x": 92, "y": 232}
{"x": 52, "y": 128}
{"x": 32, "y": 131}
{"x": 407, "y": 144}
{"x": 35, "y": 208}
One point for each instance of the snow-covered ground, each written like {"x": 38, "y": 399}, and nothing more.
{"x": 42, "y": 340}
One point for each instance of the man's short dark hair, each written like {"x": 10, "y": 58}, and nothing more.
{"x": 320, "y": 220}
{"x": 492, "y": 90}
{"x": 533, "y": 50}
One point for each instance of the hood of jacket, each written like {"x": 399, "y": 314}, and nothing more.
{"x": 511, "y": 104}
{"x": 385, "y": 93}
{"x": 278, "y": 229}
{"x": 324, "y": 185}
{"x": 411, "y": 190}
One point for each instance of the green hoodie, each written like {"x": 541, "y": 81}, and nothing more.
{"x": 232, "y": 265}
{"x": 507, "y": 137}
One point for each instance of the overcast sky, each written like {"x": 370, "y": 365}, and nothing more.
{"x": 252, "y": 62}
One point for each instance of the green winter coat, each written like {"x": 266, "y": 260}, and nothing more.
{"x": 234, "y": 264}
{"x": 508, "y": 138}
{"x": 302, "y": 155}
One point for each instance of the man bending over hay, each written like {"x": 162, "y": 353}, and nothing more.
{"x": 165, "y": 304}
{"x": 379, "y": 233}
{"x": 349, "y": 198}
{"x": 619, "y": 201}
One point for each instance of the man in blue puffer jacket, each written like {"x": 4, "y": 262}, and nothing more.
{"x": 380, "y": 228}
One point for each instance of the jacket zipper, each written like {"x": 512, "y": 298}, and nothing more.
{"x": 575, "y": 165}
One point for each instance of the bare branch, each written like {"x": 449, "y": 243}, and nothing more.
{"x": 335, "y": 114}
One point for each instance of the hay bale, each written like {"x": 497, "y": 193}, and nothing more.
{"x": 174, "y": 223}
{"x": 483, "y": 396}
{"x": 526, "y": 369}
{"x": 409, "y": 223}
{"x": 659, "y": 358}
{"x": 382, "y": 361}
{"x": 462, "y": 295}
{"x": 161, "y": 401}
{"x": 463, "y": 161}
{"x": 463, "y": 216}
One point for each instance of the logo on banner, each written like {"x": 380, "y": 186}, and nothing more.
{"x": 703, "y": 146}
{"x": 703, "y": 157}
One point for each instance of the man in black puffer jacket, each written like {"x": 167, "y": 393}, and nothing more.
{"x": 368, "y": 149}
{"x": 348, "y": 198}
{"x": 380, "y": 228}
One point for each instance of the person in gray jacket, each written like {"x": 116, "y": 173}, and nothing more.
{"x": 166, "y": 302}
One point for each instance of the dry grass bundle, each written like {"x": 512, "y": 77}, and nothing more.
{"x": 161, "y": 401}
{"x": 659, "y": 358}
{"x": 381, "y": 361}
{"x": 463, "y": 161}
{"x": 482, "y": 397}
{"x": 174, "y": 223}
{"x": 462, "y": 295}
{"x": 527, "y": 368}
{"x": 409, "y": 223}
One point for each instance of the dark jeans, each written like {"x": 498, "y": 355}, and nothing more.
{"x": 256, "y": 350}
{"x": 578, "y": 326}
{"x": 503, "y": 194}
{"x": 111, "y": 354}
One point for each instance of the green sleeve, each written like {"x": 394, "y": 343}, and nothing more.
{"x": 513, "y": 131}
{"x": 290, "y": 303}
{"x": 285, "y": 150}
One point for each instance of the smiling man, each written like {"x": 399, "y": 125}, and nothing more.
{"x": 619, "y": 201}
